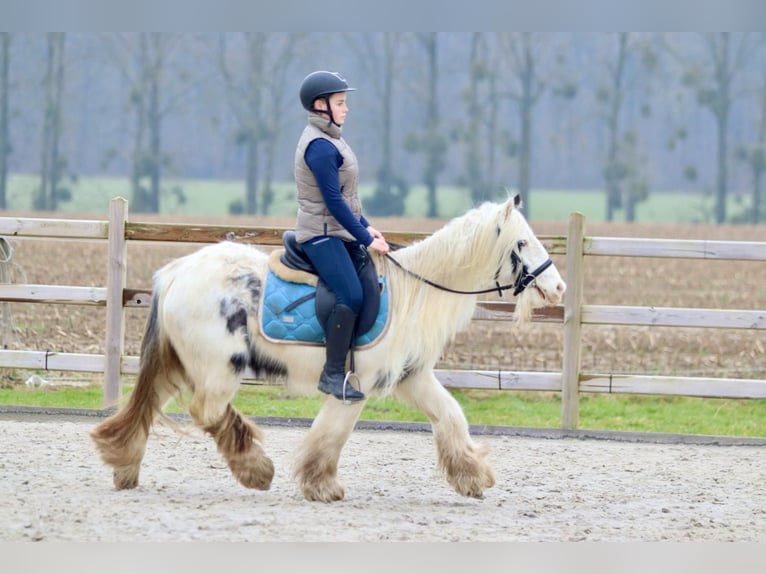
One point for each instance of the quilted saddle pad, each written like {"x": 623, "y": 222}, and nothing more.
{"x": 288, "y": 313}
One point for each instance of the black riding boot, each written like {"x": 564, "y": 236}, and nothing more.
{"x": 340, "y": 330}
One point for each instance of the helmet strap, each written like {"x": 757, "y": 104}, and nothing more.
{"x": 329, "y": 110}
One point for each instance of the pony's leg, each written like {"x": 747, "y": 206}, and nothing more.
{"x": 121, "y": 439}
{"x": 461, "y": 459}
{"x": 316, "y": 465}
{"x": 238, "y": 439}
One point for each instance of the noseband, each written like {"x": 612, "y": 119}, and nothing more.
{"x": 524, "y": 277}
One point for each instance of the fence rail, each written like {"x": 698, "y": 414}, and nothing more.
{"x": 570, "y": 382}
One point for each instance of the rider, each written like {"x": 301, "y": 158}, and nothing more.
{"x": 330, "y": 225}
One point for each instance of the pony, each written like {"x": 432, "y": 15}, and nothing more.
{"x": 203, "y": 332}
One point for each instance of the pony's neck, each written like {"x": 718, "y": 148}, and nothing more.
{"x": 457, "y": 256}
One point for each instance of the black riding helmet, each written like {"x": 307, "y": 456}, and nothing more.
{"x": 322, "y": 84}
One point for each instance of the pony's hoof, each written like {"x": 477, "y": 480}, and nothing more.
{"x": 473, "y": 485}
{"x": 125, "y": 478}
{"x": 258, "y": 477}
{"x": 327, "y": 493}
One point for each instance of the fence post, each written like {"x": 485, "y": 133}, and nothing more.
{"x": 570, "y": 371}
{"x": 117, "y": 273}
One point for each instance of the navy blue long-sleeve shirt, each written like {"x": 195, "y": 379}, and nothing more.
{"x": 324, "y": 160}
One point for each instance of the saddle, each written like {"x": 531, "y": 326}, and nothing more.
{"x": 291, "y": 264}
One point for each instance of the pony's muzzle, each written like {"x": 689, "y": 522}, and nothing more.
{"x": 557, "y": 295}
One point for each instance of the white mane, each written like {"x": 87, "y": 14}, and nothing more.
{"x": 463, "y": 255}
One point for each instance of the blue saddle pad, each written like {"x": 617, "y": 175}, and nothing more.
{"x": 300, "y": 323}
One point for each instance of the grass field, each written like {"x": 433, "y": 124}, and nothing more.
{"x": 212, "y": 198}
{"x": 684, "y": 415}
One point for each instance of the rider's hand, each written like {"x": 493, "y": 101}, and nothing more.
{"x": 379, "y": 244}
{"x": 375, "y": 233}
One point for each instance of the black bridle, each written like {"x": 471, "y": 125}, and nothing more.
{"x": 524, "y": 277}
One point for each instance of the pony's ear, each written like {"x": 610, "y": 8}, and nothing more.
{"x": 512, "y": 203}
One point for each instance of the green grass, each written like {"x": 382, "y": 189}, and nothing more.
{"x": 91, "y": 195}
{"x": 685, "y": 415}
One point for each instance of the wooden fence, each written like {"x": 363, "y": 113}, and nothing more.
{"x": 570, "y": 382}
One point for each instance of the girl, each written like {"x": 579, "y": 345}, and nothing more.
{"x": 330, "y": 225}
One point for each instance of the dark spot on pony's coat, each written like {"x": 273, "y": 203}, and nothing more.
{"x": 382, "y": 378}
{"x": 262, "y": 367}
{"x": 408, "y": 370}
{"x": 237, "y": 320}
{"x": 235, "y": 315}
{"x": 253, "y": 284}
{"x": 239, "y": 362}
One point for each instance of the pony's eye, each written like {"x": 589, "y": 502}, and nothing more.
{"x": 522, "y": 243}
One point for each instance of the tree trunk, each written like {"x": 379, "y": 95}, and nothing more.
{"x": 434, "y": 147}
{"x": 5, "y": 58}
{"x": 613, "y": 125}
{"x": 51, "y": 163}
{"x": 525, "y": 110}
{"x": 255, "y": 52}
{"x": 155, "y": 123}
{"x": 722, "y": 121}
{"x": 138, "y": 99}
{"x": 473, "y": 170}
{"x": 721, "y": 110}
{"x": 758, "y": 162}
{"x": 386, "y": 171}
{"x": 492, "y": 128}
{"x": 57, "y": 162}
{"x": 41, "y": 201}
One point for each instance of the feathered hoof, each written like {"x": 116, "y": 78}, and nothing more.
{"x": 125, "y": 478}
{"x": 473, "y": 486}
{"x": 331, "y": 491}
{"x": 470, "y": 474}
{"x": 257, "y": 476}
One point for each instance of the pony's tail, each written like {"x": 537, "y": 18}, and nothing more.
{"x": 121, "y": 438}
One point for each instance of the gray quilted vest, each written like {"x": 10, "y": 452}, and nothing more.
{"x": 313, "y": 217}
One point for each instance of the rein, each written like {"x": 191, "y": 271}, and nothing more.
{"x": 523, "y": 279}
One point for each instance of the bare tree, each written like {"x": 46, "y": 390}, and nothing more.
{"x": 481, "y": 130}
{"x": 5, "y": 144}
{"x": 143, "y": 60}
{"x": 624, "y": 174}
{"x": 612, "y": 96}
{"x": 524, "y": 54}
{"x": 52, "y": 163}
{"x": 430, "y": 141}
{"x": 754, "y": 156}
{"x": 378, "y": 56}
{"x": 712, "y": 77}
{"x": 256, "y": 93}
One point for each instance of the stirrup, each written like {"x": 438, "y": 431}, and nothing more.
{"x": 346, "y": 382}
